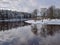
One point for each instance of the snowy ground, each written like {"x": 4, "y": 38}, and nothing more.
{"x": 12, "y": 20}
{"x": 24, "y": 36}
{"x": 45, "y": 21}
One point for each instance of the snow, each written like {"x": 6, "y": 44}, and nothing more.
{"x": 45, "y": 21}
{"x": 12, "y": 20}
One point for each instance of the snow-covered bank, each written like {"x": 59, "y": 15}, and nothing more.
{"x": 12, "y": 20}
{"x": 45, "y": 21}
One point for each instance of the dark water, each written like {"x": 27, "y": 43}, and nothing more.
{"x": 10, "y": 25}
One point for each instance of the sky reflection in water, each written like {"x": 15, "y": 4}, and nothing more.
{"x": 19, "y": 36}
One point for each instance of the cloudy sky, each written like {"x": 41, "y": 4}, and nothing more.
{"x": 27, "y": 5}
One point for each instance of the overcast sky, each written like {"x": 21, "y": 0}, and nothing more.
{"x": 27, "y": 5}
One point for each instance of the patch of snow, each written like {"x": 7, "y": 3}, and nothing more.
{"x": 45, "y": 21}
{"x": 12, "y": 20}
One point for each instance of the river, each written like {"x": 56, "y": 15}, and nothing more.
{"x": 23, "y": 35}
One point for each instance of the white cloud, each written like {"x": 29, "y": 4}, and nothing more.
{"x": 19, "y": 5}
{"x": 25, "y": 5}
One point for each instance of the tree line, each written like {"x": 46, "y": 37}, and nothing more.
{"x": 8, "y": 14}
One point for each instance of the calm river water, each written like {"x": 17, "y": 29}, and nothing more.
{"x": 21, "y": 34}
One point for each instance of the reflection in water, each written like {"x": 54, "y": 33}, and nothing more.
{"x": 34, "y": 29}
{"x": 9, "y": 25}
{"x": 24, "y": 36}
{"x": 34, "y": 41}
{"x": 19, "y": 36}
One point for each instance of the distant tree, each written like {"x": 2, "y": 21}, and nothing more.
{"x": 43, "y": 15}
{"x": 34, "y": 13}
{"x": 51, "y": 12}
{"x": 34, "y": 28}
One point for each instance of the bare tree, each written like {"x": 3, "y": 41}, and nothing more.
{"x": 34, "y": 28}
{"x": 51, "y": 12}
{"x": 34, "y": 13}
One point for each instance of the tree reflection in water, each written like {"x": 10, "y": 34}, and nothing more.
{"x": 34, "y": 28}
{"x": 9, "y": 25}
